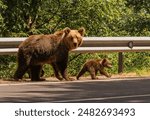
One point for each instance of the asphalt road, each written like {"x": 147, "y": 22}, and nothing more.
{"x": 91, "y": 91}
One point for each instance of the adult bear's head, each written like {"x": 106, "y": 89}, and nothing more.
{"x": 72, "y": 38}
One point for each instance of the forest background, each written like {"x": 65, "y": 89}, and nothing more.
{"x": 100, "y": 18}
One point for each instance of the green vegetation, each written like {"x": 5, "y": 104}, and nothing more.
{"x": 19, "y": 18}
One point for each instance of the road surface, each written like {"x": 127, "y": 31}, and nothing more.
{"x": 92, "y": 91}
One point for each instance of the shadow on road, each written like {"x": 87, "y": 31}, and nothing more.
{"x": 90, "y": 91}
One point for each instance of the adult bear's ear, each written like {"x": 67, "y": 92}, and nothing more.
{"x": 67, "y": 30}
{"x": 81, "y": 31}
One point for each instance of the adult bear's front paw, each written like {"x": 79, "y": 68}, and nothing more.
{"x": 59, "y": 78}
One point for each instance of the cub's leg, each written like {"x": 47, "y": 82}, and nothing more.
{"x": 104, "y": 73}
{"x": 96, "y": 71}
{"x": 82, "y": 71}
{"x": 91, "y": 70}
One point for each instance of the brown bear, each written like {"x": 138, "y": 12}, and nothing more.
{"x": 29, "y": 73}
{"x": 93, "y": 66}
{"x": 53, "y": 49}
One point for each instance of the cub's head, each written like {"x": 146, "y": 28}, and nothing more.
{"x": 106, "y": 63}
{"x": 72, "y": 38}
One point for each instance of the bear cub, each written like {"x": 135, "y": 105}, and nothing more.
{"x": 93, "y": 66}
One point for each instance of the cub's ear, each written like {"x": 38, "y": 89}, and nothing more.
{"x": 81, "y": 31}
{"x": 67, "y": 30}
{"x": 104, "y": 61}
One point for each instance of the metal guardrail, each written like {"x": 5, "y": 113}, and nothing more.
{"x": 9, "y": 46}
{"x": 114, "y": 44}
{"x": 90, "y": 44}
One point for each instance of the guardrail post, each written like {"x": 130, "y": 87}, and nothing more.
{"x": 120, "y": 62}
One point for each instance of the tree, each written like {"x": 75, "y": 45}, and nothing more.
{"x": 2, "y": 9}
{"x": 100, "y": 18}
{"x": 139, "y": 21}
{"x": 20, "y": 16}
{"x": 139, "y": 5}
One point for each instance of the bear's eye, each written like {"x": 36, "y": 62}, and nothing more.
{"x": 71, "y": 38}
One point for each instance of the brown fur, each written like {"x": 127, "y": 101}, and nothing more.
{"x": 53, "y": 49}
{"x": 41, "y": 73}
{"x": 93, "y": 66}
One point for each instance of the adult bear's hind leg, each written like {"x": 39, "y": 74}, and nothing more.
{"x": 22, "y": 66}
{"x": 21, "y": 69}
